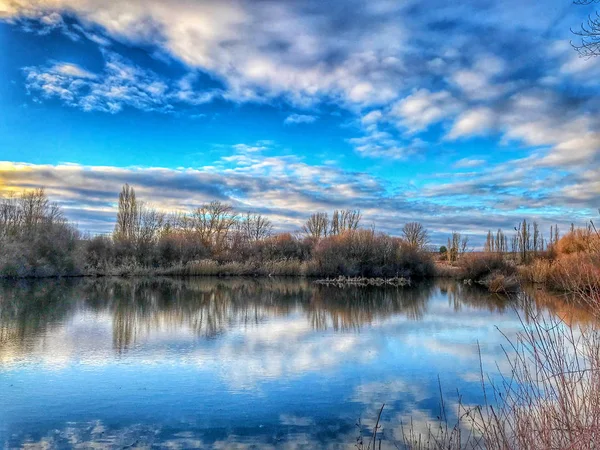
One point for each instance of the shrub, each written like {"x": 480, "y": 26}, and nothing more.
{"x": 280, "y": 247}
{"x": 178, "y": 248}
{"x": 99, "y": 254}
{"x": 35, "y": 238}
{"x": 477, "y": 267}
{"x": 537, "y": 272}
{"x": 500, "y": 283}
{"x": 445, "y": 270}
{"x": 578, "y": 241}
{"x": 576, "y": 272}
{"x": 364, "y": 253}
{"x": 283, "y": 247}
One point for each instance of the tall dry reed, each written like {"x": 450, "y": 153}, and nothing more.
{"x": 549, "y": 398}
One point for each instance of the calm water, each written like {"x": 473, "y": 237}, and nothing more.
{"x": 237, "y": 363}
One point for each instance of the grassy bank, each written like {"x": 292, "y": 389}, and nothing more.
{"x": 490, "y": 271}
{"x": 356, "y": 253}
{"x": 37, "y": 241}
{"x": 571, "y": 265}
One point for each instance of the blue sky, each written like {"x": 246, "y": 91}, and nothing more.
{"x": 464, "y": 116}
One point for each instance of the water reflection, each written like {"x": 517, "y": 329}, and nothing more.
{"x": 535, "y": 300}
{"x": 239, "y": 362}
{"x": 208, "y": 307}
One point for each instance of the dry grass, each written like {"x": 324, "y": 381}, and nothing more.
{"x": 477, "y": 267}
{"x": 574, "y": 267}
{"x": 576, "y": 273}
{"x": 548, "y": 399}
{"x": 537, "y": 272}
{"x": 571, "y": 273}
{"x": 583, "y": 240}
{"x": 445, "y": 270}
{"x": 551, "y": 398}
{"x": 208, "y": 267}
{"x": 499, "y": 283}
{"x": 577, "y": 265}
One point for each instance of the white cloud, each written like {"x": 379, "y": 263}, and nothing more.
{"x": 232, "y": 40}
{"x": 475, "y": 83}
{"x": 381, "y": 144}
{"x": 284, "y": 188}
{"x": 294, "y": 119}
{"x": 71, "y": 70}
{"x": 540, "y": 119}
{"x": 309, "y": 53}
{"x": 372, "y": 117}
{"x": 472, "y": 122}
{"x": 121, "y": 84}
{"x": 478, "y": 82}
{"x": 423, "y": 108}
{"x": 467, "y": 163}
{"x": 278, "y": 186}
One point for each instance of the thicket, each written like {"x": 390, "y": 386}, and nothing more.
{"x": 35, "y": 238}
{"x": 213, "y": 239}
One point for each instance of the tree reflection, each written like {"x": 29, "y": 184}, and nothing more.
{"x": 534, "y": 300}
{"x": 349, "y": 308}
{"x": 29, "y": 309}
{"x": 207, "y": 307}
{"x": 461, "y": 295}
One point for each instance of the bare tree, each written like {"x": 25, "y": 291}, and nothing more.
{"x": 212, "y": 223}
{"x": 344, "y": 220}
{"x": 10, "y": 215}
{"x": 335, "y": 223}
{"x": 538, "y": 239}
{"x": 554, "y": 235}
{"x": 128, "y": 216}
{"x": 524, "y": 241}
{"x": 27, "y": 213}
{"x": 151, "y": 222}
{"x": 589, "y": 33}
{"x": 184, "y": 223}
{"x": 254, "y": 227}
{"x": 501, "y": 245}
{"x": 489, "y": 243}
{"x": 457, "y": 246}
{"x": 415, "y": 235}
{"x": 317, "y": 226}
{"x": 464, "y": 245}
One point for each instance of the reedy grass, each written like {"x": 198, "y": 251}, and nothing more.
{"x": 548, "y": 398}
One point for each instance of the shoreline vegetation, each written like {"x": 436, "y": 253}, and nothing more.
{"x": 36, "y": 241}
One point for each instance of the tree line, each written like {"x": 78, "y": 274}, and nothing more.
{"x": 37, "y": 240}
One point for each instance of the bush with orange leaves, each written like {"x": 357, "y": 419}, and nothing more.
{"x": 576, "y": 273}
{"x": 579, "y": 241}
{"x": 576, "y": 265}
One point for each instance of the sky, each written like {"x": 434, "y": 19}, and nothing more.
{"x": 465, "y": 116}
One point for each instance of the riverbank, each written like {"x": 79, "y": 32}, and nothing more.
{"x": 489, "y": 271}
{"x": 575, "y": 273}
{"x": 36, "y": 241}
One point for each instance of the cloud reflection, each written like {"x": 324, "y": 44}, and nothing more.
{"x": 290, "y": 362}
